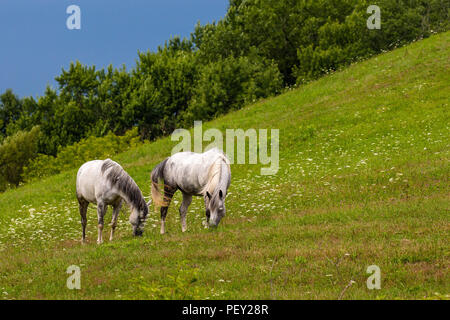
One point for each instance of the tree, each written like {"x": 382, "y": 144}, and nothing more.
{"x": 163, "y": 89}
{"x": 230, "y": 84}
{"x": 10, "y": 110}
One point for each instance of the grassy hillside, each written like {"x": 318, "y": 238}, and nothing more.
{"x": 363, "y": 180}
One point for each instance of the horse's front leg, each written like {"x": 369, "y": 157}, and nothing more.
{"x": 187, "y": 199}
{"x": 101, "y": 210}
{"x": 207, "y": 212}
{"x": 115, "y": 216}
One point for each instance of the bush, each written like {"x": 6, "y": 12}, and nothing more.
{"x": 75, "y": 155}
{"x": 184, "y": 285}
{"x": 15, "y": 152}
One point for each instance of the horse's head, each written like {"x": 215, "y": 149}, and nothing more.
{"x": 137, "y": 219}
{"x": 215, "y": 207}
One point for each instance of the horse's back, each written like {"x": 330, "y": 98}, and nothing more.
{"x": 189, "y": 170}
{"x": 188, "y": 158}
{"x": 88, "y": 176}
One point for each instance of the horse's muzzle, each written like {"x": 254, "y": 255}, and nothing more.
{"x": 213, "y": 224}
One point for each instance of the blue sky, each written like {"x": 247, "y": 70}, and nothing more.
{"x": 36, "y": 43}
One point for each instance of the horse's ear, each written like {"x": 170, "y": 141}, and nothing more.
{"x": 208, "y": 195}
{"x": 220, "y": 194}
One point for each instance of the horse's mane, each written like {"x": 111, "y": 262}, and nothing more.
{"x": 122, "y": 180}
{"x": 214, "y": 175}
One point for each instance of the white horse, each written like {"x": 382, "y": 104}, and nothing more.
{"x": 205, "y": 174}
{"x": 104, "y": 182}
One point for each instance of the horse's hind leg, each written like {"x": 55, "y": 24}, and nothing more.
{"x": 168, "y": 194}
{"x": 101, "y": 210}
{"x": 187, "y": 199}
{"x": 115, "y": 215}
{"x": 83, "y": 205}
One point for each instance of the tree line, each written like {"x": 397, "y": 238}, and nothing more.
{"x": 260, "y": 48}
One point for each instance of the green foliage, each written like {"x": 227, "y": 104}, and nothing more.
{"x": 345, "y": 38}
{"x": 76, "y": 110}
{"x": 15, "y": 151}
{"x": 72, "y": 156}
{"x": 181, "y": 286}
{"x": 309, "y": 38}
{"x": 164, "y": 88}
{"x": 306, "y": 132}
{"x": 10, "y": 110}
{"x": 230, "y": 84}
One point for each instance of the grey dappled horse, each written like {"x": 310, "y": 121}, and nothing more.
{"x": 194, "y": 174}
{"x": 104, "y": 182}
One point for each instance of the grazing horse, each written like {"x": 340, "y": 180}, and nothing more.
{"x": 104, "y": 182}
{"x": 205, "y": 174}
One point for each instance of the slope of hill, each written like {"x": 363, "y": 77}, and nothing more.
{"x": 363, "y": 180}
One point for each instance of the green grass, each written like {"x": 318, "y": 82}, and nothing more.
{"x": 363, "y": 180}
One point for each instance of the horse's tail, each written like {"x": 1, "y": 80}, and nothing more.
{"x": 156, "y": 176}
